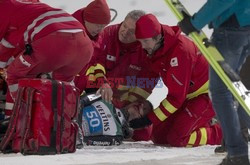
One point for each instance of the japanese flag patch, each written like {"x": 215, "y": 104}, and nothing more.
{"x": 174, "y": 62}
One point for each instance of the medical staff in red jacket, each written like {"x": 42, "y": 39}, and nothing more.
{"x": 94, "y": 17}
{"x": 51, "y": 40}
{"x": 183, "y": 117}
{"x": 8, "y": 53}
{"x": 118, "y": 70}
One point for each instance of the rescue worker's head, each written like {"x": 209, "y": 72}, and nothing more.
{"x": 138, "y": 109}
{"x": 127, "y": 29}
{"x": 148, "y": 32}
{"x": 96, "y": 16}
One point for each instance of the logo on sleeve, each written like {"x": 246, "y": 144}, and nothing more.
{"x": 111, "y": 58}
{"x": 174, "y": 62}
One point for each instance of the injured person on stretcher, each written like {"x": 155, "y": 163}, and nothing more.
{"x": 102, "y": 124}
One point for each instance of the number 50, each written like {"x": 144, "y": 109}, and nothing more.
{"x": 94, "y": 120}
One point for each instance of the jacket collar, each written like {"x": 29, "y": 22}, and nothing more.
{"x": 170, "y": 38}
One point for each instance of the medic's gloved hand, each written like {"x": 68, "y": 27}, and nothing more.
{"x": 186, "y": 25}
{"x": 140, "y": 122}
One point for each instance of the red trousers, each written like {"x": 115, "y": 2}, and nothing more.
{"x": 189, "y": 126}
{"x": 63, "y": 54}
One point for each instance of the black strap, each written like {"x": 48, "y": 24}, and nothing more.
{"x": 54, "y": 108}
{"x": 89, "y": 99}
{"x": 62, "y": 119}
{"x": 115, "y": 115}
{"x": 27, "y": 120}
{"x": 13, "y": 120}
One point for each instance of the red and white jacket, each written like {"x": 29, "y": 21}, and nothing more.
{"x": 123, "y": 67}
{"x": 23, "y": 21}
{"x": 184, "y": 71}
{"x": 7, "y": 53}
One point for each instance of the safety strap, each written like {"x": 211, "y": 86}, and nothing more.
{"x": 115, "y": 115}
{"x": 62, "y": 119}
{"x": 13, "y": 121}
{"x": 30, "y": 93}
{"x": 55, "y": 111}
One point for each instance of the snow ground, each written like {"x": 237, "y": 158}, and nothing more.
{"x": 129, "y": 153}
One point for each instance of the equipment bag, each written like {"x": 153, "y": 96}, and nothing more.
{"x": 43, "y": 119}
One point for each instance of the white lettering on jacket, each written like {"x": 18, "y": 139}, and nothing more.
{"x": 135, "y": 67}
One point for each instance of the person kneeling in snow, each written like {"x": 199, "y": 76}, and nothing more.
{"x": 104, "y": 125}
{"x": 183, "y": 118}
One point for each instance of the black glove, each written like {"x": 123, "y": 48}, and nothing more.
{"x": 140, "y": 123}
{"x": 186, "y": 25}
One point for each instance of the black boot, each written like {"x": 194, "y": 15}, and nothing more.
{"x": 221, "y": 149}
{"x": 235, "y": 160}
{"x": 245, "y": 134}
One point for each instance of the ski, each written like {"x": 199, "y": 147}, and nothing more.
{"x": 215, "y": 59}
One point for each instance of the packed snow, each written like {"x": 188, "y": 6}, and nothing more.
{"x": 132, "y": 153}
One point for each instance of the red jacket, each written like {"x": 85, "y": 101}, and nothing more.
{"x": 123, "y": 66}
{"x": 19, "y": 26}
{"x": 8, "y": 53}
{"x": 184, "y": 71}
